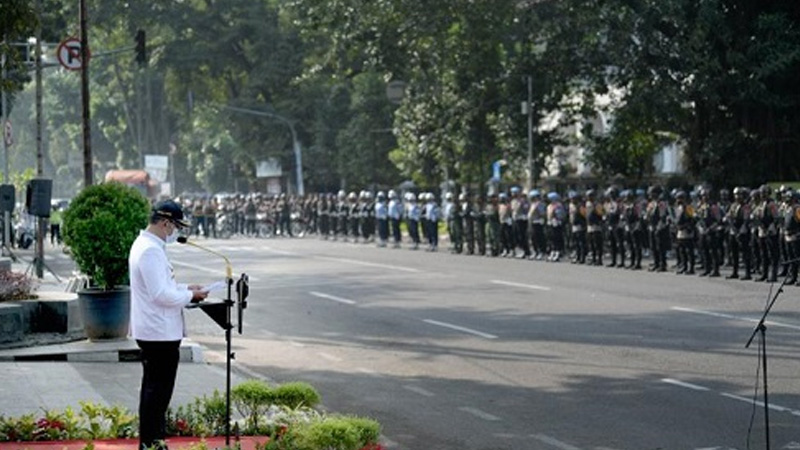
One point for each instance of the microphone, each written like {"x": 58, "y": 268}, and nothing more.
{"x": 228, "y": 268}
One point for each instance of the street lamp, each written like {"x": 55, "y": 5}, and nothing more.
{"x": 298, "y": 157}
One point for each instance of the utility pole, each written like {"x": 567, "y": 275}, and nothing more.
{"x": 88, "y": 176}
{"x": 41, "y": 222}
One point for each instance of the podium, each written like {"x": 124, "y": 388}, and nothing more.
{"x": 221, "y": 313}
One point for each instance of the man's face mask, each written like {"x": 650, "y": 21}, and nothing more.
{"x": 173, "y": 237}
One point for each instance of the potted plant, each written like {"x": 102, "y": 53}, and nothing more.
{"x": 99, "y": 228}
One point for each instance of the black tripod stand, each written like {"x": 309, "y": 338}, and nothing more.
{"x": 761, "y": 329}
{"x": 220, "y": 312}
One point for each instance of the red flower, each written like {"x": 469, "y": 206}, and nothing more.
{"x": 181, "y": 425}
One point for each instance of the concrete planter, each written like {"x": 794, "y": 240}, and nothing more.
{"x": 51, "y": 312}
{"x": 105, "y": 314}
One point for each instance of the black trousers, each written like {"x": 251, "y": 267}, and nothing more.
{"x": 160, "y": 367}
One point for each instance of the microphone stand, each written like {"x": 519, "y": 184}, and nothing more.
{"x": 761, "y": 330}
{"x": 220, "y": 313}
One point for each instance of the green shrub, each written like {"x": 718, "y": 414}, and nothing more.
{"x": 296, "y": 394}
{"x": 251, "y": 399}
{"x": 100, "y": 225}
{"x": 334, "y": 433}
{"x": 204, "y": 417}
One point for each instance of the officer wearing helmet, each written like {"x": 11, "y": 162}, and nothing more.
{"x": 766, "y": 224}
{"x": 685, "y": 224}
{"x": 382, "y": 218}
{"x": 413, "y": 215}
{"x": 556, "y": 221}
{"x": 467, "y": 222}
{"x": 395, "y": 212}
{"x": 577, "y": 222}
{"x": 612, "y": 221}
{"x": 709, "y": 220}
{"x": 519, "y": 212}
{"x": 657, "y": 219}
{"x": 480, "y": 220}
{"x": 506, "y": 226}
{"x": 634, "y": 228}
{"x": 537, "y": 217}
{"x": 792, "y": 234}
{"x": 594, "y": 226}
{"x": 492, "y": 212}
{"x": 738, "y": 219}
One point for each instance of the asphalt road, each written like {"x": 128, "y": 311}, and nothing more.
{"x": 458, "y": 352}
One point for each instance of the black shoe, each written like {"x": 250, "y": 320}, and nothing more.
{"x": 746, "y": 277}
{"x": 702, "y": 274}
{"x": 732, "y": 276}
{"x": 714, "y": 275}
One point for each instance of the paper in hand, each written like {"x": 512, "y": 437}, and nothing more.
{"x": 215, "y": 286}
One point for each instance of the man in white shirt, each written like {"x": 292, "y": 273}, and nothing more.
{"x": 157, "y": 303}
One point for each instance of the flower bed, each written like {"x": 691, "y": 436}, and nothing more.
{"x": 275, "y": 418}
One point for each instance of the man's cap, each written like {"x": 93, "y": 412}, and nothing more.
{"x": 171, "y": 211}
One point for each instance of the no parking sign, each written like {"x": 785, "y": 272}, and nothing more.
{"x": 69, "y": 54}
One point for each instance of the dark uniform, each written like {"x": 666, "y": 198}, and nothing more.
{"x": 479, "y": 214}
{"x": 708, "y": 226}
{"x": 492, "y": 212}
{"x": 767, "y": 217}
{"x": 594, "y": 227}
{"x": 614, "y": 230}
{"x": 634, "y": 228}
{"x": 685, "y": 233}
{"x": 468, "y": 223}
{"x": 791, "y": 225}
{"x": 657, "y": 219}
{"x": 577, "y": 222}
{"x": 556, "y": 220}
{"x": 738, "y": 220}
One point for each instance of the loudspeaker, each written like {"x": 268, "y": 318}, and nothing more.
{"x": 7, "y": 198}
{"x": 37, "y": 197}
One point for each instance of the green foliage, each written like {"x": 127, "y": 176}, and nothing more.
{"x": 100, "y": 226}
{"x": 251, "y": 399}
{"x": 334, "y": 433}
{"x": 204, "y": 417}
{"x": 94, "y": 421}
{"x": 295, "y": 395}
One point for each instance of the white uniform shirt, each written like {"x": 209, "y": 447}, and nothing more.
{"x": 157, "y": 301}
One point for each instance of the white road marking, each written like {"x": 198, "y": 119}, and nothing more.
{"x": 683, "y": 384}
{"x": 329, "y": 357}
{"x": 418, "y": 390}
{"x": 732, "y": 317}
{"x": 367, "y": 371}
{"x": 553, "y": 442}
{"x": 297, "y": 344}
{"x": 521, "y": 285}
{"x": 332, "y": 297}
{"x": 481, "y": 414}
{"x": 364, "y": 263}
{"x": 458, "y": 328}
{"x": 739, "y": 398}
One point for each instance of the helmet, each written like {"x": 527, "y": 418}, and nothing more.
{"x": 654, "y": 191}
{"x": 612, "y": 192}
{"x": 766, "y": 191}
{"x": 626, "y": 194}
{"x": 514, "y": 190}
{"x": 503, "y": 196}
{"x": 392, "y": 194}
{"x": 341, "y": 194}
{"x": 724, "y": 193}
{"x": 680, "y": 195}
{"x": 448, "y": 196}
{"x": 590, "y": 193}
{"x": 534, "y": 193}
{"x": 572, "y": 195}
{"x": 553, "y": 196}
{"x": 462, "y": 196}
{"x": 381, "y": 195}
